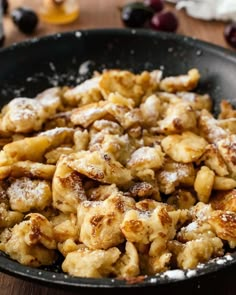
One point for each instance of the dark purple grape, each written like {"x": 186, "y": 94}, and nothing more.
{"x": 136, "y": 14}
{"x": 2, "y": 39}
{"x": 164, "y": 21}
{"x": 230, "y": 34}
{"x": 5, "y": 6}
{"x": 25, "y": 19}
{"x": 156, "y": 5}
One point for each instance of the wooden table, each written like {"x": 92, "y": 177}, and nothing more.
{"x": 101, "y": 14}
{"x": 92, "y": 16}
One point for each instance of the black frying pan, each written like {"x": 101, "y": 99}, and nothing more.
{"x": 30, "y": 67}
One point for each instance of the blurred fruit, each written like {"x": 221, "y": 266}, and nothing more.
{"x": 135, "y": 14}
{"x": 230, "y": 34}
{"x": 164, "y": 21}
{"x": 25, "y": 19}
{"x": 2, "y": 39}
{"x": 156, "y": 5}
{"x": 5, "y": 6}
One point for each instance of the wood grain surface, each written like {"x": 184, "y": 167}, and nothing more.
{"x": 104, "y": 14}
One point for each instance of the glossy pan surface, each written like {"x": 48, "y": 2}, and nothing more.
{"x": 69, "y": 58}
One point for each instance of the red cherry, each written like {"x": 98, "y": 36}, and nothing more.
{"x": 164, "y": 21}
{"x": 5, "y": 5}
{"x": 25, "y": 19}
{"x": 156, "y": 5}
{"x": 136, "y": 14}
{"x": 230, "y": 34}
{"x": 2, "y": 39}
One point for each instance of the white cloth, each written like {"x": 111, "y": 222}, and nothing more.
{"x": 209, "y": 9}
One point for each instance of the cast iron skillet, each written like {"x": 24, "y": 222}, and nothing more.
{"x": 69, "y": 58}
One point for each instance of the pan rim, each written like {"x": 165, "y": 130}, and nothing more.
{"x": 11, "y": 267}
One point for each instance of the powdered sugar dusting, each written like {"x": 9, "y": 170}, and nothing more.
{"x": 17, "y": 92}
{"x": 224, "y": 217}
{"x": 201, "y": 266}
{"x": 28, "y": 187}
{"x": 218, "y": 260}
{"x": 228, "y": 257}
{"x": 84, "y": 68}
{"x": 175, "y": 274}
{"x": 93, "y": 204}
{"x": 25, "y": 194}
{"x": 55, "y": 131}
{"x": 222, "y": 260}
{"x": 23, "y": 108}
{"x": 55, "y": 78}
{"x": 178, "y": 274}
{"x": 191, "y": 226}
{"x": 170, "y": 176}
{"x": 215, "y": 132}
{"x": 52, "y": 66}
{"x": 78, "y": 34}
{"x": 191, "y": 273}
{"x": 145, "y": 214}
{"x": 153, "y": 280}
{"x": 203, "y": 213}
